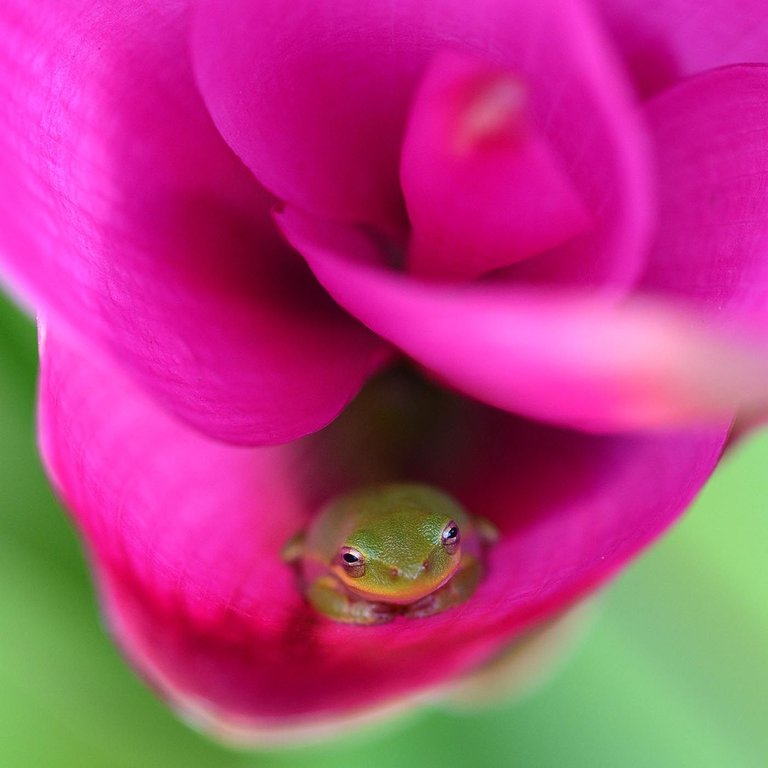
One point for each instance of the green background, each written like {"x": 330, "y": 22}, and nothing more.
{"x": 673, "y": 673}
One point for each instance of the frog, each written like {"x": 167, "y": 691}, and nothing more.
{"x": 389, "y": 550}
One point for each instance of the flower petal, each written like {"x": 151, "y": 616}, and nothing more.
{"x": 314, "y": 95}
{"x": 556, "y": 355}
{"x": 711, "y": 134}
{"x": 127, "y": 217}
{"x": 665, "y": 41}
{"x": 185, "y": 535}
{"x": 482, "y": 186}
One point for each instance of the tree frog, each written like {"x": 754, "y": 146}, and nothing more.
{"x": 388, "y": 550}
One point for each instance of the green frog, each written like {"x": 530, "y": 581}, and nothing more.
{"x": 388, "y": 550}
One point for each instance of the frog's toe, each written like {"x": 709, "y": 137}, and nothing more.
{"x": 376, "y": 613}
{"x": 293, "y": 549}
{"x": 427, "y": 606}
{"x": 488, "y": 532}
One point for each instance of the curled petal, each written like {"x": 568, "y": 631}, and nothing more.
{"x": 314, "y": 96}
{"x": 185, "y": 536}
{"x": 482, "y": 186}
{"x": 127, "y": 218}
{"x": 555, "y": 355}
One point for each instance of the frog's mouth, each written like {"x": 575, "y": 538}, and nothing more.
{"x": 403, "y": 586}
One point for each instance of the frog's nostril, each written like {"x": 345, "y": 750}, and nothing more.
{"x": 426, "y": 565}
{"x": 394, "y": 572}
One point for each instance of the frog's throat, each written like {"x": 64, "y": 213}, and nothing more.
{"x": 400, "y": 592}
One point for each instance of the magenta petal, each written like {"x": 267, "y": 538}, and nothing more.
{"x": 127, "y": 217}
{"x": 185, "y": 536}
{"x": 671, "y": 39}
{"x": 314, "y": 96}
{"x": 711, "y": 133}
{"x": 482, "y": 186}
{"x": 560, "y": 356}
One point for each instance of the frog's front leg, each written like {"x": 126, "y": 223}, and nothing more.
{"x": 331, "y": 599}
{"x": 459, "y": 589}
{"x": 293, "y": 549}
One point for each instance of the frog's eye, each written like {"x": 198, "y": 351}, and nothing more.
{"x": 352, "y": 561}
{"x": 450, "y": 537}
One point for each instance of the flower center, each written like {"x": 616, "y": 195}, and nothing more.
{"x": 399, "y": 428}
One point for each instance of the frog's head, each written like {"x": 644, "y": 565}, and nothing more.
{"x": 406, "y": 543}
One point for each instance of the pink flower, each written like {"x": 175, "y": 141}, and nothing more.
{"x": 194, "y": 353}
